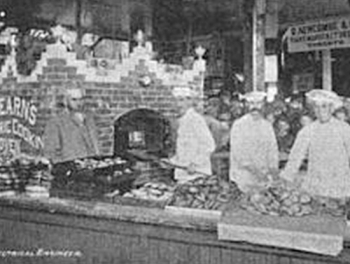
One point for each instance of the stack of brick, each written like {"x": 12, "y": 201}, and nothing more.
{"x": 107, "y": 99}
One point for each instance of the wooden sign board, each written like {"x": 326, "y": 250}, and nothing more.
{"x": 325, "y": 34}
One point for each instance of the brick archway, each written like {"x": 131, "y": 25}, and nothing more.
{"x": 143, "y": 129}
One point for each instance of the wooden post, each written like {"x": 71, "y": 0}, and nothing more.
{"x": 326, "y": 70}
{"x": 189, "y": 36}
{"x": 248, "y": 57}
{"x": 259, "y": 45}
{"x": 247, "y": 23}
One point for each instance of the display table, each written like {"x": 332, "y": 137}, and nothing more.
{"x": 108, "y": 233}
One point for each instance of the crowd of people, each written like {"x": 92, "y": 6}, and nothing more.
{"x": 287, "y": 117}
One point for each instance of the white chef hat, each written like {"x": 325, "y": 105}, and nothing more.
{"x": 184, "y": 91}
{"x": 324, "y": 96}
{"x": 255, "y": 96}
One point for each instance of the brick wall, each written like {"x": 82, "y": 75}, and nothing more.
{"x": 122, "y": 96}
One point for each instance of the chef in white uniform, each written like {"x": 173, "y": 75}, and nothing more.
{"x": 325, "y": 143}
{"x": 253, "y": 146}
{"x": 194, "y": 143}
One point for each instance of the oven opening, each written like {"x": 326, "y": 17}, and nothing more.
{"x": 143, "y": 130}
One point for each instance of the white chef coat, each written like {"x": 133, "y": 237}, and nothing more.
{"x": 327, "y": 148}
{"x": 194, "y": 145}
{"x": 253, "y": 145}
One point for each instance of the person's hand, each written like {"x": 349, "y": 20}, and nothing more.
{"x": 164, "y": 163}
{"x": 274, "y": 174}
{"x": 225, "y": 125}
{"x": 283, "y": 156}
{"x": 164, "y": 160}
{"x": 191, "y": 169}
{"x": 225, "y": 139}
{"x": 291, "y": 184}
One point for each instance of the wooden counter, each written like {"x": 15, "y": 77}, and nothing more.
{"x": 107, "y": 233}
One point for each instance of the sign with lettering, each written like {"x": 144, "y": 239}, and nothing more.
{"x": 17, "y": 122}
{"x": 328, "y": 34}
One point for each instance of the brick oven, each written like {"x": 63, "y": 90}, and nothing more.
{"x": 128, "y": 113}
{"x": 143, "y": 129}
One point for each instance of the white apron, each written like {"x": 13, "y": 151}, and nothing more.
{"x": 327, "y": 148}
{"x": 253, "y": 148}
{"x": 194, "y": 145}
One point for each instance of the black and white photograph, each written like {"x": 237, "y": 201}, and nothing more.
{"x": 175, "y": 131}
